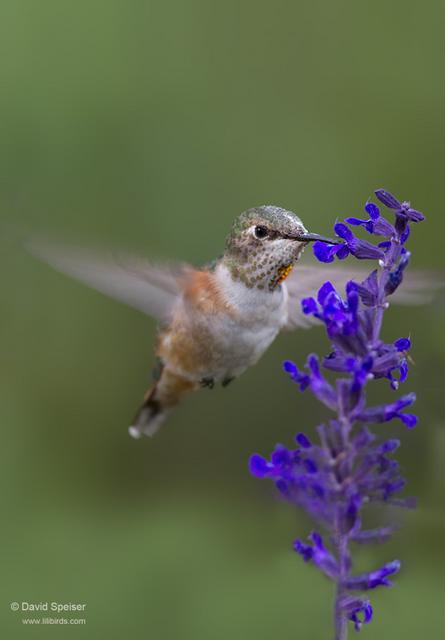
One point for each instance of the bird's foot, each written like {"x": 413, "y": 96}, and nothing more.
{"x": 207, "y": 383}
{"x": 227, "y": 381}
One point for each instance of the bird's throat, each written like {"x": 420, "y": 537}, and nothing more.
{"x": 265, "y": 277}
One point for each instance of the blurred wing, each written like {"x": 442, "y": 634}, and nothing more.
{"x": 133, "y": 281}
{"x": 305, "y": 281}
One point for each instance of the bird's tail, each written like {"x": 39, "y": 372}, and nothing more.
{"x": 158, "y": 402}
{"x": 149, "y": 416}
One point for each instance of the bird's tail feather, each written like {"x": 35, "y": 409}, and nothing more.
{"x": 158, "y": 401}
{"x": 149, "y": 416}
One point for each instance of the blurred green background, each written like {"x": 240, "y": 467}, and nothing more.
{"x": 151, "y": 125}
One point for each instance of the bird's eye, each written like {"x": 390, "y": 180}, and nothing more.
{"x": 260, "y": 232}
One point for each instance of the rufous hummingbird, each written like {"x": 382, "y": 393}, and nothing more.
{"x": 216, "y": 321}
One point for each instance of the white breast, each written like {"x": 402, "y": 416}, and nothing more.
{"x": 242, "y": 338}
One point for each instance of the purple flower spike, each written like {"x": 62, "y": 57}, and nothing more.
{"x": 336, "y": 477}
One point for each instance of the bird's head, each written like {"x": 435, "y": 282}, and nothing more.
{"x": 264, "y": 244}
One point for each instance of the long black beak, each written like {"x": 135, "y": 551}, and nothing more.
{"x": 313, "y": 237}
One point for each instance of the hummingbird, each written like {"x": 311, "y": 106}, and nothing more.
{"x": 216, "y": 321}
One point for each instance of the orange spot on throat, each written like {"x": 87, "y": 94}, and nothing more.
{"x": 284, "y": 272}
